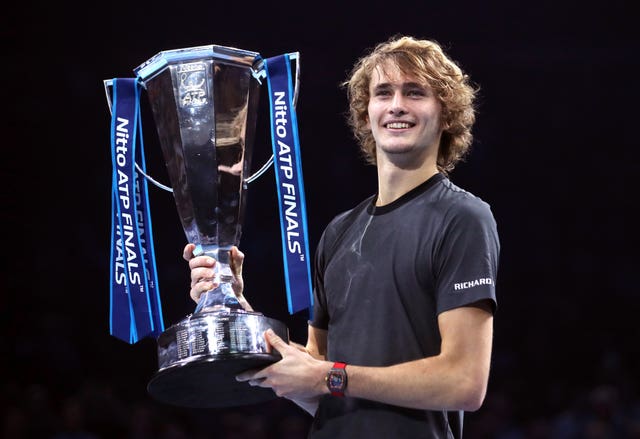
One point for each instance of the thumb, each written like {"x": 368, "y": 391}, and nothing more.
{"x": 236, "y": 261}
{"x": 275, "y": 341}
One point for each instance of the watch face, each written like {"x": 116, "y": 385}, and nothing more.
{"x": 336, "y": 380}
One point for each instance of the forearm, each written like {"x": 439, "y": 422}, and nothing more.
{"x": 434, "y": 383}
{"x": 455, "y": 379}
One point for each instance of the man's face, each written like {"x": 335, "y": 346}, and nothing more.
{"x": 404, "y": 115}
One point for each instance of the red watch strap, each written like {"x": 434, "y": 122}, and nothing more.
{"x": 337, "y": 391}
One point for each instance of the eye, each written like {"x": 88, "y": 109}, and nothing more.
{"x": 416, "y": 92}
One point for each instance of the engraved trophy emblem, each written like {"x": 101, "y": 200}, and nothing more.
{"x": 204, "y": 102}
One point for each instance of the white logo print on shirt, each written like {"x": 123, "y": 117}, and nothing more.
{"x": 473, "y": 283}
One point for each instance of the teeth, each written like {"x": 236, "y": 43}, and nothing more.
{"x": 398, "y": 125}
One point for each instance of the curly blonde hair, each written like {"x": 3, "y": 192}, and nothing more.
{"x": 426, "y": 60}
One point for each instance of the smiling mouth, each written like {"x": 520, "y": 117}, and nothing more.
{"x": 398, "y": 125}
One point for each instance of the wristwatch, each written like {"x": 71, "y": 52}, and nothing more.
{"x": 337, "y": 379}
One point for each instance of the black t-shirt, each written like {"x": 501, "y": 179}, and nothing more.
{"x": 382, "y": 276}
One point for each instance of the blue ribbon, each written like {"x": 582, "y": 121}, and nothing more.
{"x": 135, "y": 309}
{"x": 291, "y": 200}
{"x": 145, "y": 232}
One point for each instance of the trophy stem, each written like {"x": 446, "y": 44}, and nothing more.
{"x": 222, "y": 297}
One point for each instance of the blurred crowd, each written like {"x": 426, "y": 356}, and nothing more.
{"x": 66, "y": 381}
{"x": 96, "y": 411}
{"x": 76, "y": 405}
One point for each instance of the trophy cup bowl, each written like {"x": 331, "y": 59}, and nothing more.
{"x": 204, "y": 102}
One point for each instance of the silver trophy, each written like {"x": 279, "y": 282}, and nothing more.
{"x": 204, "y": 102}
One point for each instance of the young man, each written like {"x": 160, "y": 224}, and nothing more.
{"x": 404, "y": 283}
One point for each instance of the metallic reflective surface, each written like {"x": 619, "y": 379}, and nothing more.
{"x": 218, "y": 333}
{"x": 204, "y": 102}
{"x": 200, "y": 356}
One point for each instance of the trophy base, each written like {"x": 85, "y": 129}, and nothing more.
{"x": 200, "y": 356}
{"x": 210, "y": 383}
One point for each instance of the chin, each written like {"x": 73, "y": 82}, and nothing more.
{"x": 398, "y": 149}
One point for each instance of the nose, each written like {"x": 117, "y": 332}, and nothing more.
{"x": 397, "y": 104}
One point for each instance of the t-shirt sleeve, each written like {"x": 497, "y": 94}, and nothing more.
{"x": 467, "y": 256}
{"x": 320, "y": 318}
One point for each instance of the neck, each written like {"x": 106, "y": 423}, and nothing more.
{"x": 394, "y": 181}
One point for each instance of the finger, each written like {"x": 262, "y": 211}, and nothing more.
{"x": 198, "y": 289}
{"x": 260, "y": 382}
{"x": 202, "y": 261}
{"x": 247, "y": 375}
{"x": 298, "y": 346}
{"x": 195, "y": 294}
{"x": 187, "y": 252}
{"x": 236, "y": 260}
{"x": 244, "y": 303}
{"x": 202, "y": 286}
{"x": 275, "y": 341}
{"x": 201, "y": 274}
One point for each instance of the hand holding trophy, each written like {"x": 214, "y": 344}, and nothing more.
{"x": 204, "y": 102}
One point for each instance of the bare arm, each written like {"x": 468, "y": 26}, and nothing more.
{"x": 455, "y": 379}
{"x": 317, "y": 343}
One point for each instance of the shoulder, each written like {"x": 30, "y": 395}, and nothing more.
{"x": 462, "y": 205}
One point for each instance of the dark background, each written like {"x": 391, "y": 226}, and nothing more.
{"x": 555, "y": 154}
